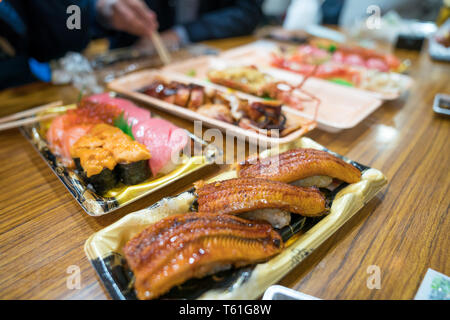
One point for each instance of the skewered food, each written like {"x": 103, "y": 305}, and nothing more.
{"x": 106, "y": 155}
{"x": 241, "y": 195}
{"x": 250, "y": 80}
{"x": 193, "y": 245}
{"x": 262, "y": 117}
{"x": 216, "y": 111}
{"x": 297, "y": 164}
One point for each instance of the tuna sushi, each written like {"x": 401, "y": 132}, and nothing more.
{"x": 164, "y": 141}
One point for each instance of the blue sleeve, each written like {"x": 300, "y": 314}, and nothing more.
{"x": 236, "y": 20}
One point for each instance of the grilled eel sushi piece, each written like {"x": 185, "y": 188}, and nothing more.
{"x": 242, "y": 195}
{"x": 194, "y": 245}
{"x": 298, "y": 164}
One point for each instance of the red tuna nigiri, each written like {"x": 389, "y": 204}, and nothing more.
{"x": 162, "y": 139}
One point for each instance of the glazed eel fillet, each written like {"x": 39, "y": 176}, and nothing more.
{"x": 299, "y": 164}
{"x": 240, "y": 195}
{"x": 194, "y": 245}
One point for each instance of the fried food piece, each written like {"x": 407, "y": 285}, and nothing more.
{"x": 216, "y": 111}
{"x": 197, "y": 97}
{"x": 239, "y": 195}
{"x": 247, "y": 79}
{"x": 298, "y": 164}
{"x": 194, "y": 245}
{"x": 250, "y": 80}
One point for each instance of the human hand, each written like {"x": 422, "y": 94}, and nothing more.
{"x": 132, "y": 16}
{"x": 170, "y": 39}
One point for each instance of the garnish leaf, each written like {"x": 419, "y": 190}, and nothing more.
{"x": 81, "y": 94}
{"x": 332, "y": 48}
{"x": 121, "y": 123}
{"x": 191, "y": 73}
{"x": 342, "y": 82}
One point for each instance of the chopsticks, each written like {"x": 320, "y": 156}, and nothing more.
{"x": 160, "y": 48}
{"x": 28, "y": 116}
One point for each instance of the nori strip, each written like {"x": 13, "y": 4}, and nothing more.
{"x": 79, "y": 168}
{"x": 133, "y": 173}
{"x": 102, "y": 182}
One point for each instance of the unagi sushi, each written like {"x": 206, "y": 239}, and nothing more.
{"x": 297, "y": 164}
{"x": 194, "y": 245}
{"x": 259, "y": 199}
{"x": 106, "y": 155}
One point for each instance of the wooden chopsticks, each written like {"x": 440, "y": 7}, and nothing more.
{"x": 160, "y": 48}
{"x": 28, "y": 116}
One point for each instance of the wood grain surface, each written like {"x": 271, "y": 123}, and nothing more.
{"x": 404, "y": 230}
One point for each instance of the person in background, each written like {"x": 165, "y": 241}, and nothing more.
{"x": 345, "y": 13}
{"x": 356, "y": 10}
{"x": 302, "y": 13}
{"x": 181, "y": 21}
{"x": 34, "y": 31}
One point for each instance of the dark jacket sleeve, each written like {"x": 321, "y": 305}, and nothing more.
{"x": 49, "y": 37}
{"x": 236, "y": 20}
{"x": 15, "y": 72}
{"x": 39, "y": 30}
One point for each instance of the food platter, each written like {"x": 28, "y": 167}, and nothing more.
{"x": 384, "y": 85}
{"x": 340, "y": 107}
{"x": 95, "y": 204}
{"x": 133, "y": 84}
{"x": 302, "y": 236}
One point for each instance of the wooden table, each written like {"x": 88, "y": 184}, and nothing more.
{"x": 404, "y": 230}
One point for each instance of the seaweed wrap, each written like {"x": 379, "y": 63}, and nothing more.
{"x": 101, "y": 182}
{"x": 133, "y": 172}
{"x": 106, "y": 156}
